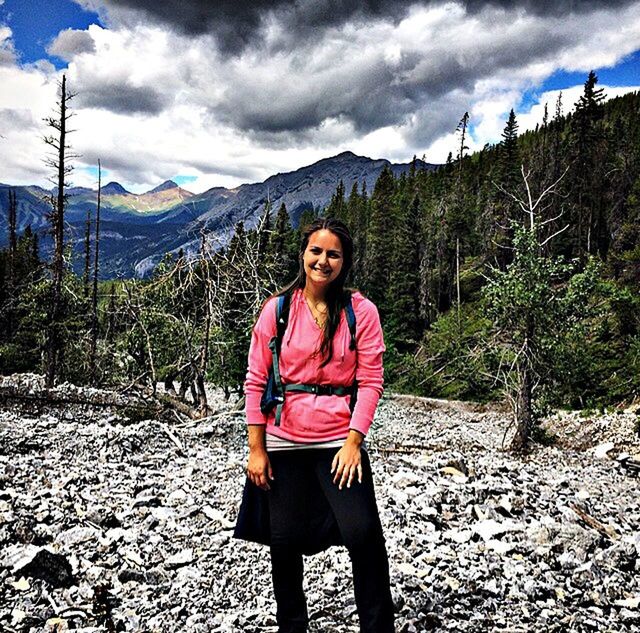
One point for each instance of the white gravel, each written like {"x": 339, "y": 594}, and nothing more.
{"x": 478, "y": 539}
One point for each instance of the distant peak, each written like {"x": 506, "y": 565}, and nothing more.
{"x": 347, "y": 156}
{"x": 114, "y": 188}
{"x": 167, "y": 184}
{"x": 343, "y": 157}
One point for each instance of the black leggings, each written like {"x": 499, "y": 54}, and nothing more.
{"x": 301, "y": 492}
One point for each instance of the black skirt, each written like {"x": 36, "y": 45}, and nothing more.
{"x": 300, "y": 509}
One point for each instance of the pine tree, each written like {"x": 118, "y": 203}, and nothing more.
{"x": 381, "y": 227}
{"x": 509, "y": 155}
{"x": 358, "y": 213}
{"x": 402, "y": 292}
{"x": 337, "y": 206}
{"x": 284, "y": 247}
{"x": 504, "y": 209}
{"x": 462, "y": 130}
{"x": 587, "y": 179}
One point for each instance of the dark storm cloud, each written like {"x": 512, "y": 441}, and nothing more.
{"x": 121, "y": 98}
{"x": 547, "y": 7}
{"x": 235, "y": 23}
{"x": 370, "y": 94}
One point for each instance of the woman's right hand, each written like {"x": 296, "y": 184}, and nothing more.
{"x": 259, "y": 468}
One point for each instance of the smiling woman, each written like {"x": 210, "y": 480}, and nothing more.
{"x": 309, "y": 481}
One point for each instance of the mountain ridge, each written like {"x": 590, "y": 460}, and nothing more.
{"x": 143, "y": 227}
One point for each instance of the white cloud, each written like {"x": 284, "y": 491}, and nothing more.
{"x": 71, "y": 42}
{"x": 153, "y": 104}
{"x": 28, "y": 96}
{"x": 7, "y": 50}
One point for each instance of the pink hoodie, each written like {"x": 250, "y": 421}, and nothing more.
{"x": 305, "y": 416}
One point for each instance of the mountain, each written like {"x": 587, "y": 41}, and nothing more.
{"x": 138, "y": 229}
{"x": 167, "y": 184}
{"x": 114, "y": 189}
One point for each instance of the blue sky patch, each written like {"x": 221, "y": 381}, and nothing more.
{"x": 624, "y": 73}
{"x": 34, "y": 24}
{"x": 184, "y": 180}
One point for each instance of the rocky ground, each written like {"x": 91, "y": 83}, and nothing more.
{"x": 114, "y": 523}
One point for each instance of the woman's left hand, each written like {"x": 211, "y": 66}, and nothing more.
{"x": 347, "y": 461}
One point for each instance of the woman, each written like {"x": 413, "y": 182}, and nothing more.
{"x": 309, "y": 456}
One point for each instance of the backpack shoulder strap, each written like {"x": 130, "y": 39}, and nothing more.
{"x": 351, "y": 322}
{"x": 282, "y": 317}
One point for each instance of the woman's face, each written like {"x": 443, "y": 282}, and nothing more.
{"x": 322, "y": 258}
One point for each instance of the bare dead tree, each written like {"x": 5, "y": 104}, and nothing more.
{"x": 13, "y": 239}
{"x": 87, "y": 256}
{"x": 462, "y": 129}
{"x": 11, "y": 260}
{"x": 57, "y": 160}
{"x": 203, "y": 306}
{"x": 239, "y": 284}
{"x": 94, "y": 291}
{"x": 205, "y": 264}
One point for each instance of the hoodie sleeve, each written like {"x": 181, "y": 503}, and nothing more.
{"x": 259, "y": 363}
{"x": 369, "y": 370}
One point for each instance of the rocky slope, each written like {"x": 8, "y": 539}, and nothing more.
{"x": 111, "y": 523}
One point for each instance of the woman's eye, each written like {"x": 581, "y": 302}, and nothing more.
{"x": 318, "y": 251}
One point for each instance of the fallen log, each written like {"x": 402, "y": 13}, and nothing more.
{"x": 11, "y": 395}
{"x": 137, "y": 401}
{"x": 592, "y": 522}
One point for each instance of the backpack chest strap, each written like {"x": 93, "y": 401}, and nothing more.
{"x": 320, "y": 390}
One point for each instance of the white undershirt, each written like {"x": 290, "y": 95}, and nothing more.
{"x": 275, "y": 443}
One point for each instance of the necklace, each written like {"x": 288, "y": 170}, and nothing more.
{"x": 314, "y": 309}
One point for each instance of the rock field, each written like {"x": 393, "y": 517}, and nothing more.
{"x": 116, "y": 524}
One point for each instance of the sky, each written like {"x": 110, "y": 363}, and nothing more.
{"x": 227, "y": 92}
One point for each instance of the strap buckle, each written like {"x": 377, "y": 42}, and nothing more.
{"x": 323, "y": 390}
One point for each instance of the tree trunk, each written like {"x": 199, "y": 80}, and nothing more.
{"x": 11, "y": 262}
{"x": 13, "y": 240}
{"x": 524, "y": 413}
{"x": 458, "y": 283}
{"x": 94, "y": 293}
{"x": 87, "y": 256}
{"x": 169, "y": 387}
{"x": 54, "y": 332}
